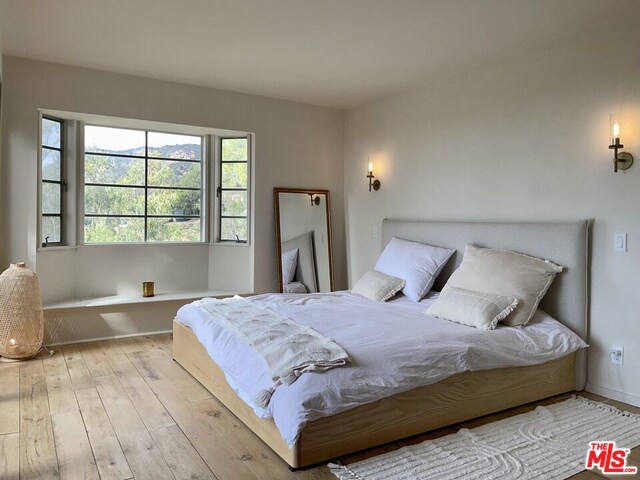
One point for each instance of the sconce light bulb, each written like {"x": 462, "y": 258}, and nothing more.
{"x": 616, "y": 130}
{"x": 370, "y": 166}
{"x": 12, "y": 341}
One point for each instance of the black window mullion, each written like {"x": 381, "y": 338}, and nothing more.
{"x": 57, "y": 149}
{"x": 164, "y": 159}
{"x": 146, "y": 184}
{"x": 118, "y": 155}
{"x": 117, "y": 185}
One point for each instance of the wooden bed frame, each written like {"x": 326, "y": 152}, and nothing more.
{"x": 460, "y": 397}
{"x": 457, "y": 398}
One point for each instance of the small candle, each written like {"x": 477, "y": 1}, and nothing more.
{"x": 148, "y": 289}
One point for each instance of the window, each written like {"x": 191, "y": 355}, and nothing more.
{"x": 142, "y": 186}
{"x": 233, "y": 193}
{"x": 52, "y": 181}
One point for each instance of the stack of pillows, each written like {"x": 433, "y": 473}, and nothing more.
{"x": 490, "y": 285}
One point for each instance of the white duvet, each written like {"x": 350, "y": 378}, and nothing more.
{"x": 394, "y": 347}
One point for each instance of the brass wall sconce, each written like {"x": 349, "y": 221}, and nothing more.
{"x": 621, "y": 160}
{"x": 315, "y": 199}
{"x": 375, "y": 184}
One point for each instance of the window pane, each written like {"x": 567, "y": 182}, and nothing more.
{"x": 234, "y": 203}
{"x": 165, "y": 173}
{"x": 173, "y": 230}
{"x": 51, "y": 229}
{"x": 113, "y": 200}
{"x": 230, "y": 227}
{"x": 173, "y": 202}
{"x": 234, "y": 175}
{"x": 50, "y": 164}
{"x": 50, "y": 198}
{"x": 114, "y": 140}
{"x": 234, "y": 149}
{"x": 51, "y": 133}
{"x": 167, "y": 145}
{"x": 114, "y": 229}
{"x": 115, "y": 170}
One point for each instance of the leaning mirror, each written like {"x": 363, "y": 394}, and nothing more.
{"x": 303, "y": 240}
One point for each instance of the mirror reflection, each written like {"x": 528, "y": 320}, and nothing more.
{"x": 303, "y": 239}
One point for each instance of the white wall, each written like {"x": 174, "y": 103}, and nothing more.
{"x": 286, "y": 134}
{"x": 524, "y": 138}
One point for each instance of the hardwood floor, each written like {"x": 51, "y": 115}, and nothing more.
{"x": 123, "y": 409}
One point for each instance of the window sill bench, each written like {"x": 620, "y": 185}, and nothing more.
{"x": 112, "y": 300}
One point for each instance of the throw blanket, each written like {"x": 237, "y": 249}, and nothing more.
{"x": 288, "y": 348}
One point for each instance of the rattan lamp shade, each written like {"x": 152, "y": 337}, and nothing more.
{"x": 21, "y": 324}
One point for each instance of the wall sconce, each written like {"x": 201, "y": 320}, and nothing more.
{"x": 375, "y": 184}
{"x": 315, "y": 199}
{"x": 621, "y": 160}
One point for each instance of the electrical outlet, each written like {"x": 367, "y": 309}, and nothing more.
{"x": 616, "y": 355}
{"x": 375, "y": 231}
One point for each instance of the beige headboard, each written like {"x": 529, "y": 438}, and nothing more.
{"x": 565, "y": 244}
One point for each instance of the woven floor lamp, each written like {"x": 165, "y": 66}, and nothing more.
{"x": 21, "y": 323}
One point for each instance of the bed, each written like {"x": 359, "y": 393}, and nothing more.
{"x": 455, "y": 398}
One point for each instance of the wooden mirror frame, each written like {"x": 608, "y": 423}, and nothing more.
{"x": 276, "y": 210}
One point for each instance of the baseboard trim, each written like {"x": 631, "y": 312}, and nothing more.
{"x": 613, "y": 394}
{"x": 114, "y": 337}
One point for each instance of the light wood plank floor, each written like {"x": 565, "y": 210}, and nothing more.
{"x": 123, "y": 409}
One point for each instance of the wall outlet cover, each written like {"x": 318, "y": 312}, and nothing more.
{"x": 616, "y": 354}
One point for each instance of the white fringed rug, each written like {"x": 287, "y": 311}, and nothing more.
{"x": 548, "y": 443}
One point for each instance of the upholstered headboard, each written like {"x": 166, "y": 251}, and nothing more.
{"x": 565, "y": 244}
{"x": 306, "y": 269}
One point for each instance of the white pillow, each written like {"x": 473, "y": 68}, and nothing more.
{"x": 294, "y": 287}
{"x": 475, "y": 309}
{"x": 417, "y": 263}
{"x": 378, "y": 286}
{"x": 289, "y": 265}
{"x": 502, "y": 272}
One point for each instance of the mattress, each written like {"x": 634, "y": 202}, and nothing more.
{"x": 394, "y": 347}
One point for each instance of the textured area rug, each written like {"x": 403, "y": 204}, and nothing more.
{"x": 548, "y": 443}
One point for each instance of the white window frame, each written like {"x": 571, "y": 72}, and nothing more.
{"x": 73, "y": 167}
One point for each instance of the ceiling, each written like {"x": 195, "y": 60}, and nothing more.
{"x": 338, "y": 53}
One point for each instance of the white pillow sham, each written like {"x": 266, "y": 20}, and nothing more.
{"x": 475, "y": 309}
{"x": 503, "y": 272}
{"x": 289, "y": 265}
{"x": 294, "y": 287}
{"x": 378, "y": 286}
{"x": 417, "y": 263}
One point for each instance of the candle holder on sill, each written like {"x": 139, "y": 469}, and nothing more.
{"x": 148, "y": 289}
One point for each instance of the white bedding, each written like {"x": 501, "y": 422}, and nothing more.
{"x": 393, "y": 346}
